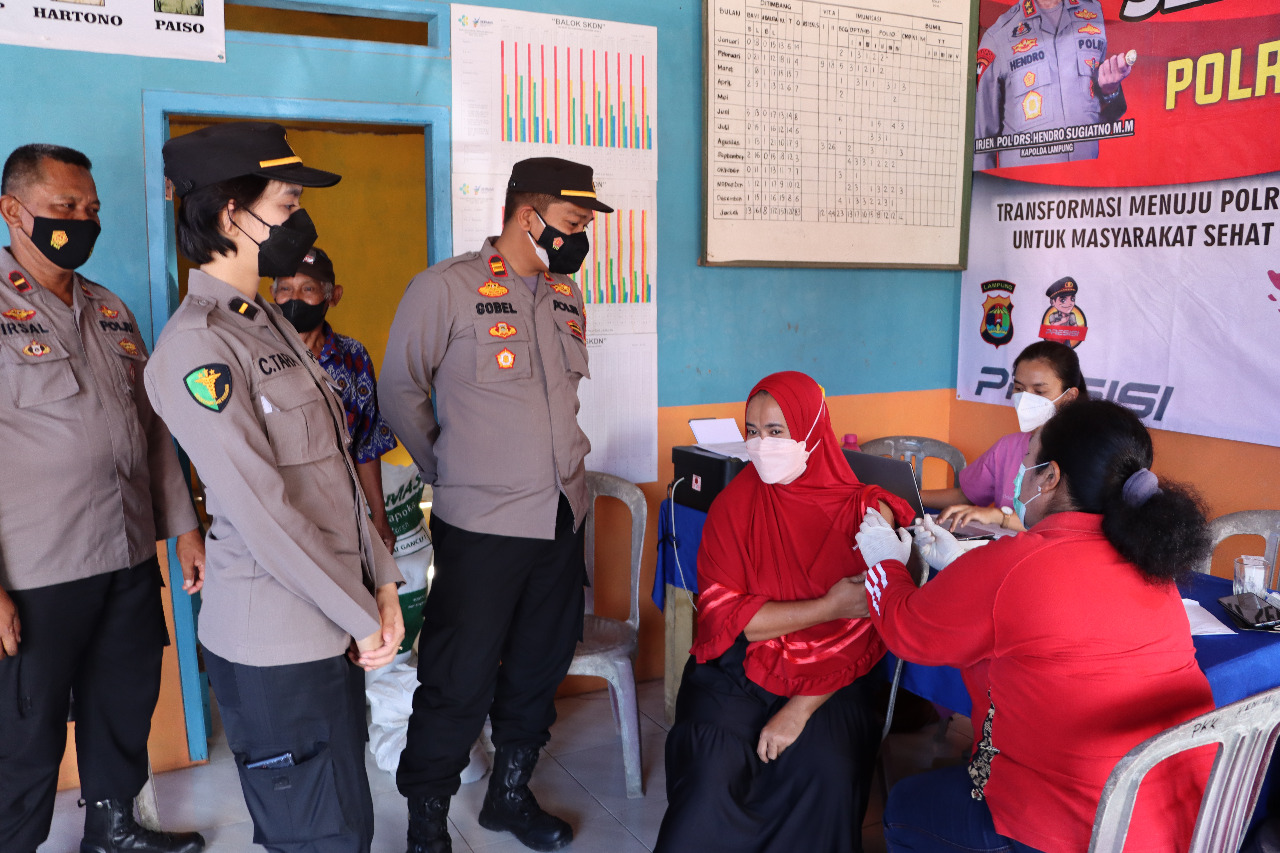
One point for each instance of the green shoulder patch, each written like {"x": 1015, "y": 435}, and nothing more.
{"x": 210, "y": 386}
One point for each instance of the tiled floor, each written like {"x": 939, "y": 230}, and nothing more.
{"x": 578, "y": 778}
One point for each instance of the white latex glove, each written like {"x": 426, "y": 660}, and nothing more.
{"x": 936, "y": 544}
{"x": 878, "y": 541}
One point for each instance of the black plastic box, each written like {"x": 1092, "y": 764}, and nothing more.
{"x": 701, "y": 475}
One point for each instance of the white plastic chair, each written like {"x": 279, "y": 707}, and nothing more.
{"x": 608, "y": 646}
{"x": 915, "y": 449}
{"x": 1245, "y": 732}
{"x": 1249, "y": 522}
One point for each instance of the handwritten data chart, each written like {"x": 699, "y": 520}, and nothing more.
{"x": 837, "y": 132}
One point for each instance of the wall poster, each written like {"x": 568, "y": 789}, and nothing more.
{"x": 837, "y": 132}
{"x": 172, "y": 29}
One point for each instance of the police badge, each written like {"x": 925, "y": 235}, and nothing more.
{"x": 997, "y": 312}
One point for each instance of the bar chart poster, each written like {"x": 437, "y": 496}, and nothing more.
{"x": 527, "y": 84}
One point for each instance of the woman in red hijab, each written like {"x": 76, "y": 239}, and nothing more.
{"x": 775, "y": 735}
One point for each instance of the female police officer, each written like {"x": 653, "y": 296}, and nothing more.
{"x": 293, "y": 571}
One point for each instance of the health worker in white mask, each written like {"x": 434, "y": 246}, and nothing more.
{"x": 1046, "y": 376}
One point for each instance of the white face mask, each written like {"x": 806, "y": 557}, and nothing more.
{"x": 1033, "y": 410}
{"x": 781, "y": 460}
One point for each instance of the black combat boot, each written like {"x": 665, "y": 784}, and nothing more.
{"x": 509, "y": 805}
{"x": 428, "y": 825}
{"x": 109, "y": 827}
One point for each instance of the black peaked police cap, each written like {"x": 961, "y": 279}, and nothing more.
{"x": 564, "y": 179}
{"x": 221, "y": 152}
{"x": 1066, "y": 284}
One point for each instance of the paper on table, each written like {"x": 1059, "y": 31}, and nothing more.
{"x": 714, "y": 431}
{"x": 1203, "y": 623}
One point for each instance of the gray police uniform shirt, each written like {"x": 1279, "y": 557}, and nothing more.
{"x": 504, "y": 365}
{"x": 290, "y": 558}
{"x": 1033, "y": 76}
{"x": 91, "y": 477}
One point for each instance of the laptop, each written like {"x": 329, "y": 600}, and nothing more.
{"x": 897, "y": 477}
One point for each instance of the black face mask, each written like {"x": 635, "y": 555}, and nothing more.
{"x": 67, "y": 243}
{"x": 564, "y": 252}
{"x": 286, "y": 245}
{"x": 303, "y": 315}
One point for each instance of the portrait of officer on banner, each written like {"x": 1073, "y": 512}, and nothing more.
{"x": 1047, "y": 90}
{"x": 1063, "y": 321}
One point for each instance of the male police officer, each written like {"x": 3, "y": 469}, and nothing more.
{"x": 1041, "y": 66}
{"x": 92, "y": 481}
{"x": 497, "y": 338}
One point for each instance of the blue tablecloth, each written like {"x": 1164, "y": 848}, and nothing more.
{"x": 1236, "y": 665}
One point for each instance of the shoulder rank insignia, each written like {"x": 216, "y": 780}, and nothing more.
{"x": 19, "y": 282}
{"x": 109, "y": 313}
{"x": 36, "y": 349}
{"x": 502, "y": 330}
{"x": 19, "y": 314}
{"x": 247, "y": 309}
{"x": 129, "y": 346}
{"x": 1028, "y": 8}
{"x": 210, "y": 385}
{"x": 506, "y": 359}
{"x": 492, "y": 290}
{"x": 88, "y": 294}
{"x": 497, "y": 267}
{"x": 561, "y": 288}
{"x": 576, "y": 330}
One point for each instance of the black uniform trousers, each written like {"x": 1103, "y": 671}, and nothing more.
{"x": 500, "y": 625}
{"x": 721, "y": 796}
{"x": 101, "y": 639}
{"x": 315, "y": 713}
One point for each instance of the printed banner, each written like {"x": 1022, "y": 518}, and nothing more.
{"x": 173, "y": 29}
{"x": 1142, "y": 233}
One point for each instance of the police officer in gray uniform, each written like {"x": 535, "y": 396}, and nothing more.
{"x": 497, "y": 338}
{"x": 1042, "y": 65}
{"x": 91, "y": 482}
{"x": 294, "y": 570}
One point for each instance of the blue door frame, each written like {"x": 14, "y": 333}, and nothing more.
{"x": 157, "y": 107}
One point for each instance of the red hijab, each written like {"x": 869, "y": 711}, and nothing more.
{"x": 790, "y": 542}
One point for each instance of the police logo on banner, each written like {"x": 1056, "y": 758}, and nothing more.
{"x": 997, "y": 312}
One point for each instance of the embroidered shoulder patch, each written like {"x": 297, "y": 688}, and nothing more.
{"x": 210, "y": 386}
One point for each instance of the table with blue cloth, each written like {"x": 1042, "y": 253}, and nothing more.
{"x": 1237, "y": 665}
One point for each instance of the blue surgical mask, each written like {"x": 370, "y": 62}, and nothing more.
{"x": 1020, "y": 508}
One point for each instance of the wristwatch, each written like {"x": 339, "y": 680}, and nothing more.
{"x": 1008, "y": 511}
